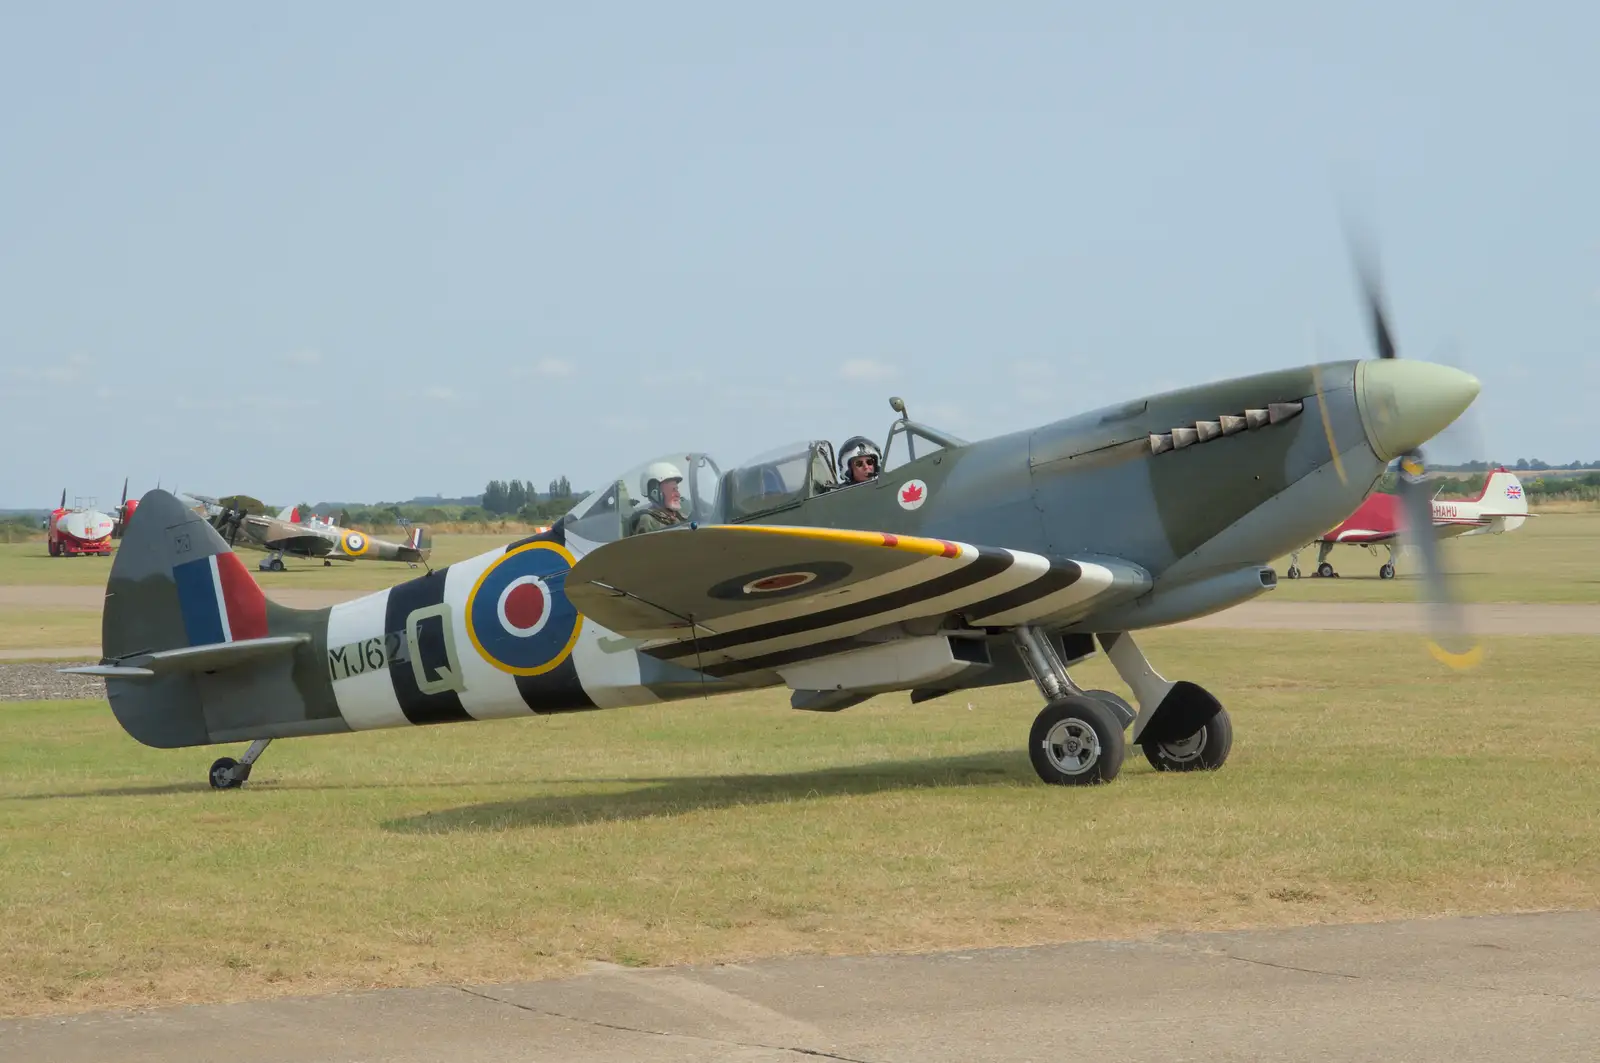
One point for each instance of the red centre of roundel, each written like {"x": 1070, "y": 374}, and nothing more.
{"x": 778, "y": 583}
{"x": 911, "y": 493}
{"x": 524, "y": 606}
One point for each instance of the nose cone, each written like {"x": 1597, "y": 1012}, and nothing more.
{"x": 1404, "y": 403}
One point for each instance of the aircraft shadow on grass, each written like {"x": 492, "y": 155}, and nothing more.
{"x": 656, "y": 796}
{"x": 678, "y": 795}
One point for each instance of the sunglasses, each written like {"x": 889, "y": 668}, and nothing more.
{"x": 862, "y": 463}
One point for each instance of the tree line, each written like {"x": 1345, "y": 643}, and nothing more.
{"x": 503, "y": 498}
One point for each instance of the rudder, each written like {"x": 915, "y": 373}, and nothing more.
{"x": 193, "y": 652}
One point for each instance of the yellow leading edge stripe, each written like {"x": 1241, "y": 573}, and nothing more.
{"x": 912, "y": 543}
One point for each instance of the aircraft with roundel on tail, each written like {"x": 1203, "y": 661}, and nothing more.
{"x": 286, "y": 535}
{"x": 960, "y": 565}
{"x": 1500, "y": 506}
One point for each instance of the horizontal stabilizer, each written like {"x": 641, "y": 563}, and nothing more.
{"x": 211, "y": 658}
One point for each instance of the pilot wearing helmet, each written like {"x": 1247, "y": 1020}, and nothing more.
{"x": 663, "y": 508}
{"x": 859, "y": 461}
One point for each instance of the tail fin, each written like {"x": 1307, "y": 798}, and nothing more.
{"x": 1503, "y": 501}
{"x": 192, "y": 650}
{"x": 1503, "y": 492}
{"x": 421, "y": 540}
{"x": 290, "y": 514}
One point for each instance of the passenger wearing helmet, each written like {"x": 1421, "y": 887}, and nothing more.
{"x": 663, "y": 507}
{"x": 859, "y": 461}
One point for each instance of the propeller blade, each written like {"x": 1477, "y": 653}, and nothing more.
{"x": 124, "y": 503}
{"x": 1366, "y": 263}
{"x": 1449, "y": 639}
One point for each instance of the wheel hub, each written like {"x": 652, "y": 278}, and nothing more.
{"x": 1185, "y": 749}
{"x": 1072, "y": 746}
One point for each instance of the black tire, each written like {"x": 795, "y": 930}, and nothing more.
{"x": 1210, "y": 752}
{"x": 1386, "y": 572}
{"x": 221, "y": 775}
{"x": 1293, "y": 573}
{"x": 1125, "y": 712}
{"x": 1325, "y": 570}
{"x": 1076, "y": 741}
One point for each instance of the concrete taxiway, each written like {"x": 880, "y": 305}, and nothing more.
{"x": 1466, "y": 990}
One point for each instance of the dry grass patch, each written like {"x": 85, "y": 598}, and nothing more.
{"x": 1363, "y": 785}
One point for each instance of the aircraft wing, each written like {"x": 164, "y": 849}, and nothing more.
{"x": 744, "y": 597}
{"x": 305, "y": 545}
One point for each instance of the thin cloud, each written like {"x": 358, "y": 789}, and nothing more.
{"x": 69, "y": 372}
{"x": 304, "y": 357}
{"x": 549, "y": 368}
{"x": 867, "y": 369}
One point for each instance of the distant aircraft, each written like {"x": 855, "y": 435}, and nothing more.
{"x": 1500, "y": 507}
{"x": 79, "y": 531}
{"x": 285, "y": 535}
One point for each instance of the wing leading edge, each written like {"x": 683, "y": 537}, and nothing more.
{"x": 732, "y": 599}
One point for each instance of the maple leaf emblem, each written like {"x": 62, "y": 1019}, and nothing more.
{"x": 911, "y": 493}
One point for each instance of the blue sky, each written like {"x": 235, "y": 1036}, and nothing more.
{"x": 367, "y": 251}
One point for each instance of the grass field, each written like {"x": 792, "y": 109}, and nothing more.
{"x": 1363, "y": 784}
{"x": 1555, "y": 557}
{"x": 23, "y": 628}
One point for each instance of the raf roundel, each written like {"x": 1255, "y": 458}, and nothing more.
{"x": 518, "y": 615}
{"x": 355, "y": 544}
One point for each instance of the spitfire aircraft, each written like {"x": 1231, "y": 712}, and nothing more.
{"x": 960, "y": 565}
{"x": 284, "y": 534}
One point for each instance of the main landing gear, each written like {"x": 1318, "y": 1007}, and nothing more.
{"x": 1325, "y": 567}
{"x": 1077, "y": 740}
{"x": 272, "y": 564}
{"x": 229, "y": 774}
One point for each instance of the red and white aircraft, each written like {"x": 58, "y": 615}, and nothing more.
{"x": 1501, "y": 506}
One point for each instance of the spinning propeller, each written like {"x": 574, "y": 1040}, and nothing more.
{"x": 1449, "y": 640}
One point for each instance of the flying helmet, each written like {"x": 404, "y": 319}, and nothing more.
{"x": 658, "y": 473}
{"x": 855, "y": 447}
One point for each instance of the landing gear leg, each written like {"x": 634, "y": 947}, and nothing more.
{"x": 1181, "y": 726}
{"x": 1324, "y": 568}
{"x": 1077, "y": 739}
{"x": 229, "y": 774}
{"x": 1387, "y": 571}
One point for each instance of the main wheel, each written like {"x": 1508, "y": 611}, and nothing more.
{"x": 222, "y": 777}
{"x": 1325, "y": 570}
{"x": 1076, "y": 741}
{"x": 1293, "y": 573}
{"x": 1387, "y": 571}
{"x": 1205, "y": 750}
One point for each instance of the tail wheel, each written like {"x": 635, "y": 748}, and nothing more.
{"x": 222, "y": 775}
{"x": 1076, "y": 741}
{"x": 1205, "y": 750}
